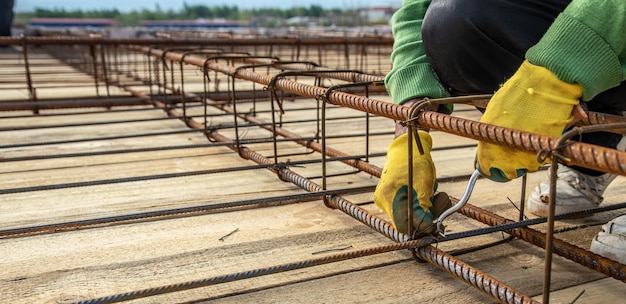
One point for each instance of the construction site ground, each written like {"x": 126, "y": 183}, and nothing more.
{"x": 110, "y": 259}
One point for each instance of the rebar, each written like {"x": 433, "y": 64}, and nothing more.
{"x": 604, "y": 159}
{"x": 487, "y": 132}
{"x": 564, "y": 249}
{"x": 504, "y": 292}
{"x": 96, "y": 62}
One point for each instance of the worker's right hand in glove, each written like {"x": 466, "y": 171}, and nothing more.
{"x": 533, "y": 100}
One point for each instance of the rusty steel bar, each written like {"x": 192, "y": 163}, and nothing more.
{"x": 247, "y": 74}
{"x": 69, "y": 40}
{"x": 473, "y": 277}
{"x": 562, "y": 248}
{"x": 580, "y": 154}
{"x": 565, "y": 249}
{"x": 361, "y": 165}
{"x": 65, "y": 103}
{"x": 29, "y": 80}
{"x": 489, "y": 286}
{"x": 459, "y": 269}
{"x": 493, "y": 287}
{"x": 593, "y": 118}
{"x": 487, "y": 130}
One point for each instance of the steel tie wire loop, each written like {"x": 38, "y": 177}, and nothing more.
{"x": 578, "y": 130}
{"x": 411, "y": 122}
{"x": 165, "y": 69}
{"x": 413, "y": 135}
{"x": 29, "y": 80}
{"x": 182, "y": 89}
{"x": 234, "y": 104}
{"x": 274, "y": 97}
{"x": 546, "y": 154}
{"x": 233, "y": 74}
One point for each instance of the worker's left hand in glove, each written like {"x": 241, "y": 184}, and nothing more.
{"x": 532, "y": 100}
{"x": 391, "y": 194}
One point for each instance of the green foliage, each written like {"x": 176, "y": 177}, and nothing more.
{"x": 269, "y": 17}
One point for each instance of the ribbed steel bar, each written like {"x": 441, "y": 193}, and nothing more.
{"x": 593, "y": 118}
{"x": 490, "y": 286}
{"x": 249, "y": 74}
{"x": 494, "y": 288}
{"x": 505, "y": 137}
{"x": 562, "y": 248}
{"x": 475, "y": 278}
{"x": 361, "y": 165}
{"x": 263, "y": 41}
{"x": 251, "y": 273}
{"x": 580, "y": 154}
{"x": 471, "y": 129}
{"x": 339, "y": 203}
{"x": 70, "y": 103}
{"x": 177, "y": 212}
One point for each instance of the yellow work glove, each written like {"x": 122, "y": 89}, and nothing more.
{"x": 532, "y": 100}
{"x": 391, "y": 193}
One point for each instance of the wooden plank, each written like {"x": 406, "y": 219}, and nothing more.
{"x": 107, "y": 260}
{"x": 606, "y": 290}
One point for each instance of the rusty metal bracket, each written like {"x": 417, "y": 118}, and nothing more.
{"x": 557, "y": 157}
{"x": 325, "y": 99}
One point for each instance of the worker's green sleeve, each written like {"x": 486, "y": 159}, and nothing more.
{"x": 411, "y": 75}
{"x": 586, "y": 44}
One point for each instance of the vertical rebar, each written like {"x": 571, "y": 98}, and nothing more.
{"x": 92, "y": 52}
{"x": 29, "y": 79}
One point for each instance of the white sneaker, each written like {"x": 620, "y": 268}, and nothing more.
{"x": 574, "y": 192}
{"x": 611, "y": 241}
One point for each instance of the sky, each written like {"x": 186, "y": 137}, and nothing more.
{"x": 129, "y": 5}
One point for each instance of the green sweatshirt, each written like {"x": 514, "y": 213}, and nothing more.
{"x": 586, "y": 44}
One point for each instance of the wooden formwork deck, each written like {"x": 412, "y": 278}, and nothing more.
{"x": 106, "y": 260}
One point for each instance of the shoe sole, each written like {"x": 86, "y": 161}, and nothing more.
{"x": 542, "y": 209}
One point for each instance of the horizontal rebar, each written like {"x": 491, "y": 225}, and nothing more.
{"x": 177, "y": 212}
{"x": 607, "y": 160}
{"x": 564, "y": 249}
{"x": 603, "y": 159}
{"x": 66, "y": 40}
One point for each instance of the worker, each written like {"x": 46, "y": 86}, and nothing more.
{"x": 546, "y": 61}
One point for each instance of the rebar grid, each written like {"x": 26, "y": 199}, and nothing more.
{"x": 108, "y": 62}
{"x": 490, "y": 286}
{"x": 602, "y": 159}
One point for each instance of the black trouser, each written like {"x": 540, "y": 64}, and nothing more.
{"x": 6, "y": 17}
{"x": 475, "y": 45}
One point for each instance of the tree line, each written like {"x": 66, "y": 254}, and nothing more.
{"x": 191, "y": 12}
